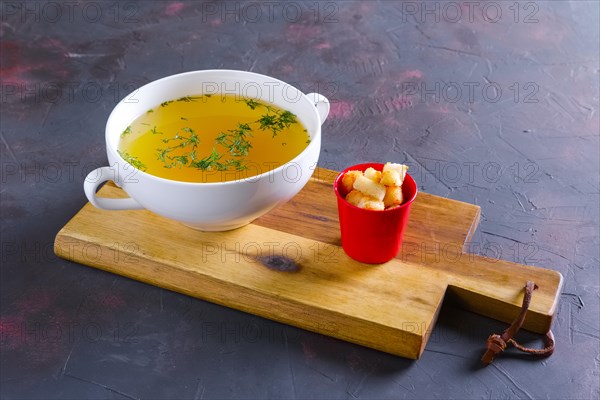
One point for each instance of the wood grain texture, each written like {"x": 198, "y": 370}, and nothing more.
{"x": 391, "y": 307}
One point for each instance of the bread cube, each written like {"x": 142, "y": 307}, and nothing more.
{"x": 348, "y": 180}
{"x": 370, "y": 188}
{"x": 401, "y": 168}
{"x": 373, "y": 174}
{"x": 373, "y": 204}
{"x": 393, "y": 196}
{"x": 393, "y": 174}
{"x": 391, "y": 178}
{"x": 361, "y": 200}
{"x": 357, "y": 198}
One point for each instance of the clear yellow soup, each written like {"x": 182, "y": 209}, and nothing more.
{"x": 212, "y": 138}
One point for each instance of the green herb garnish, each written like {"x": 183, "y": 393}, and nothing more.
{"x": 238, "y": 165}
{"x": 252, "y": 103}
{"x": 166, "y": 103}
{"x": 189, "y": 143}
{"x": 181, "y": 142}
{"x": 154, "y": 131}
{"x": 134, "y": 161}
{"x": 209, "y": 162}
{"x": 267, "y": 121}
{"x": 236, "y": 141}
{"x": 126, "y": 132}
{"x": 276, "y": 122}
{"x": 188, "y": 99}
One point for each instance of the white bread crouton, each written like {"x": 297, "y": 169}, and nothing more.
{"x": 370, "y": 188}
{"x": 348, "y": 180}
{"x": 401, "y": 168}
{"x": 393, "y": 174}
{"x": 357, "y": 198}
{"x": 373, "y": 204}
{"x": 393, "y": 196}
{"x": 373, "y": 174}
{"x": 361, "y": 200}
{"x": 391, "y": 178}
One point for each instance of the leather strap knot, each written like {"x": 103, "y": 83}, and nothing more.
{"x": 496, "y": 344}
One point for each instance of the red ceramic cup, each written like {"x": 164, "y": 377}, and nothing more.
{"x": 373, "y": 237}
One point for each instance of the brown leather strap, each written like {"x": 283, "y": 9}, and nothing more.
{"x": 496, "y": 344}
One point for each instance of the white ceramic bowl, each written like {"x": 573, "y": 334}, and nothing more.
{"x": 209, "y": 206}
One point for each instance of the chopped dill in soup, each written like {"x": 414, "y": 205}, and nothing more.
{"x": 212, "y": 138}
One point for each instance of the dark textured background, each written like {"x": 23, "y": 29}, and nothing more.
{"x": 525, "y": 148}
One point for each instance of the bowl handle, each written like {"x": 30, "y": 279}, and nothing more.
{"x": 95, "y": 179}
{"x": 321, "y": 103}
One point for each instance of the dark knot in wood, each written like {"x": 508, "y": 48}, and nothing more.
{"x": 280, "y": 263}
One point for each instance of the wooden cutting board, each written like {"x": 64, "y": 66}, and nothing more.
{"x": 288, "y": 266}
